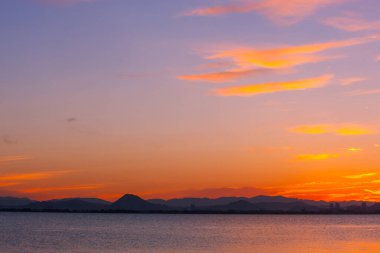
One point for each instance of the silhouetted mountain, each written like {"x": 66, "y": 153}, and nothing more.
{"x": 14, "y": 202}
{"x": 67, "y": 204}
{"x": 240, "y": 205}
{"x": 134, "y": 203}
{"x": 205, "y": 202}
{"x": 129, "y": 202}
{"x": 198, "y": 202}
{"x": 90, "y": 200}
{"x": 243, "y": 205}
{"x": 374, "y": 208}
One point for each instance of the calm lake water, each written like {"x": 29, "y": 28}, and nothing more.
{"x": 49, "y": 232}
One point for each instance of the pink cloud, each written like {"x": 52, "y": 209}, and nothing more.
{"x": 352, "y": 24}
{"x": 352, "y": 80}
{"x": 278, "y": 11}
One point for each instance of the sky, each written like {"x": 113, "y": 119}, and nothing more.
{"x": 192, "y": 98}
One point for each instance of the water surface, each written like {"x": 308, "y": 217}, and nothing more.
{"x": 64, "y": 232}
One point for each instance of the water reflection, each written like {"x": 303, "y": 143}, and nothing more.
{"x": 39, "y": 232}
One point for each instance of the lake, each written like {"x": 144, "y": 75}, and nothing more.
{"x": 68, "y": 232}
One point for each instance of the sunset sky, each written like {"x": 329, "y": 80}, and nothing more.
{"x": 202, "y": 98}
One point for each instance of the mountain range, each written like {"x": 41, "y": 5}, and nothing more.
{"x": 133, "y": 203}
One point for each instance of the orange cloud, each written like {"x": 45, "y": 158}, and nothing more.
{"x": 360, "y": 176}
{"x": 353, "y": 130}
{"x": 245, "y": 61}
{"x": 286, "y": 57}
{"x": 352, "y": 24}
{"x": 278, "y": 11}
{"x": 256, "y": 89}
{"x": 354, "y": 149}
{"x": 63, "y": 188}
{"x": 377, "y": 192}
{"x": 341, "y": 129}
{"x": 6, "y": 184}
{"x": 377, "y": 58}
{"x": 31, "y": 176}
{"x": 218, "y": 77}
{"x": 15, "y": 158}
{"x": 352, "y": 80}
{"x": 308, "y": 157}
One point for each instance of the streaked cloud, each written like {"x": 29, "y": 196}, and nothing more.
{"x": 377, "y": 58}
{"x": 7, "y": 184}
{"x": 15, "y": 158}
{"x": 311, "y": 157}
{"x": 354, "y": 130}
{"x": 18, "y": 177}
{"x": 243, "y": 62}
{"x": 278, "y": 11}
{"x": 225, "y": 76}
{"x": 352, "y": 24}
{"x": 360, "y": 176}
{"x": 62, "y": 188}
{"x": 376, "y": 192}
{"x": 354, "y": 149}
{"x": 338, "y": 129}
{"x": 256, "y": 89}
{"x": 352, "y": 80}
{"x": 287, "y": 56}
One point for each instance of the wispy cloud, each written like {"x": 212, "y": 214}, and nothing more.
{"x": 352, "y": 80}
{"x": 21, "y": 177}
{"x": 338, "y": 129}
{"x": 256, "y": 89}
{"x": 287, "y": 56}
{"x": 360, "y": 176}
{"x": 354, "y": 149}
{"x": 352, "y": 24}
{"x": 7, "y": 184}
{"x": 248, "y": 61}
{"x": 377, "y": 58}
{"x": 62, "y": 188}
{"x": 278, "y": 11}
{"x": 225, "y": 76}
{"x": 313, "y": 157}
{"x": 376, "y": 192}
{"x": 15, "y": 158}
